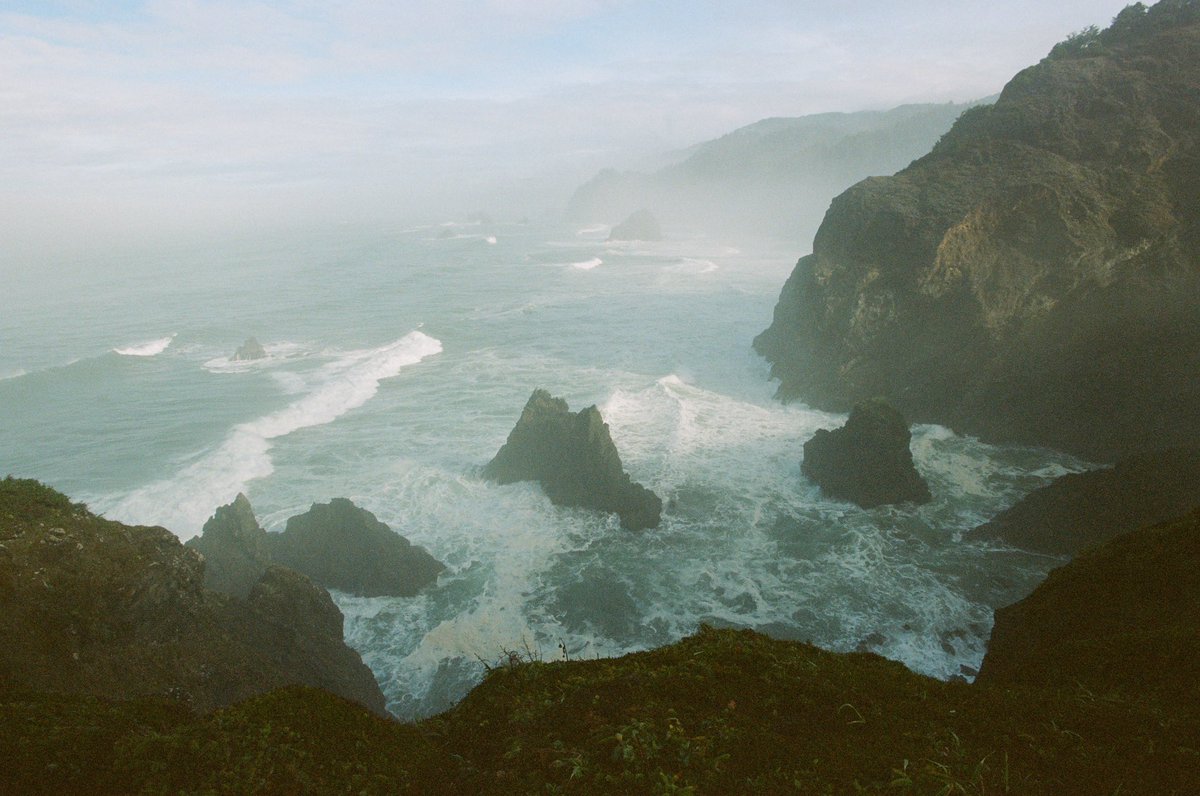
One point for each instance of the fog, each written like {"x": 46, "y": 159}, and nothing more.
{"x": 135, "y": 119}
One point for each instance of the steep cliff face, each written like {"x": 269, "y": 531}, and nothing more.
{"x": 1036, "y": 277}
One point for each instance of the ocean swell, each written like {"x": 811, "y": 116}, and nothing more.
{"x": 182, "y": 503}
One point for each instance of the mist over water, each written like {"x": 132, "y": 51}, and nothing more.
{"x": 397, "y": 364}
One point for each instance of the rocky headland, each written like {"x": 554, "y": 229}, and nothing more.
{"x": 774, "y": 177}
{"x": 1082, "y": 510}
{"x": 1036, "y": 277}
{"x": 94, "y": 607}
{"x": 337, "y": 544}
{"x": 640, "y": 225}
{"x": 867, "y": 461}
{"x": 572, "y": 455}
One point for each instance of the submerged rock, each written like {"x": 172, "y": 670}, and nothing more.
{"x": 251, "y": 349}
{"x": 95, "y": 607}
{"x": 573, "y": 456}
{"x": 641, "y": 225}
{"x": 868, "y": 460}
{"x": 344, "y": 547}
{"x": 1082, "y": 510}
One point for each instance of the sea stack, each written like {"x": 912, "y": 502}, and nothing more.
{"x": 344, "y": 547}
{"x": 868, "y": 460}
{"x": 573, "y": 456}
{"x": 251, "y": 349}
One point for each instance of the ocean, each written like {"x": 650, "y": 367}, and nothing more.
{"x": 399, "y": 360}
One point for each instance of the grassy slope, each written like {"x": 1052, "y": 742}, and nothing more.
{"x": 722, "y": 711}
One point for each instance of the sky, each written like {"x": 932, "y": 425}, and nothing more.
{"x": 132, "y": 116}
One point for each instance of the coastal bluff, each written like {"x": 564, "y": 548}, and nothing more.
{"x": 1034, "y": 279}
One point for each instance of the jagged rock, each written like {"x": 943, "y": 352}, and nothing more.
{"x": 1121, "y": 619}
{"x": 344, "y": 547}
{"x": 1036, "y": 277}
{"x": 234, "y": 547}
{"x": 573, "y": 456}
{"x": 1082, "y": 510}
{"x": 95, "y": 607}
{"x": 868, "y": 460}
{"x": 641, "y": 225}
{"x": 251, "y": 349}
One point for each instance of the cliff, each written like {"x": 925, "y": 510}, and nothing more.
{"x": 1036, "y": 277}
{"x": 94, "y": 607}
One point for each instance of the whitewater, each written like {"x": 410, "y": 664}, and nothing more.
{"x": 397, "y": 364}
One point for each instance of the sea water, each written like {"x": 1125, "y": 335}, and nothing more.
{"x": 398, "y": 361}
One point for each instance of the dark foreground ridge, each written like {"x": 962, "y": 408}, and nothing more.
{"x": 867, "y": 461}
{"x": 1081, "y": 510}
{"x": 1036, "y": 277}
{"x": 573, "y": 456}
{"x": 1089, "y": 688}
{"x": 95, "y": 607}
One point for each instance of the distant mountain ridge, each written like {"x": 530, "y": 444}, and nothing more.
{"x": 774, "y": 176}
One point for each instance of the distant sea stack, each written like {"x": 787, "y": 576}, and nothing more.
{"x": 573, "y": 456}
{"x": 867, "y": 461}
{"x": 1036, "y": 277}
{"x": 95, "y": 607}
{"x": 251, "y": 349}
{"x": 337, "y": 544}
{"x": 641, "y": 225}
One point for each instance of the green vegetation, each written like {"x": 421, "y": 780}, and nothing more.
{"x": 723, "y": 711}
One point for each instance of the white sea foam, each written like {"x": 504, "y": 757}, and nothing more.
{"x": 491, "y": 239}
{"x": 148, "y": 349}
{"x": 592, "y": 230}
{"x": 588, "y": 265}
{"x": 689, "y": 265}
{"x": 13, "y": 374}
{"x": 184, "y": 502}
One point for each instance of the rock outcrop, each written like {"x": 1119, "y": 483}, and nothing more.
{"x": 1082, "y": 510}
{"x": 251, "y": 349}
{"x": 336, "y": 544}
{"x": 573, "y": 456}
{"x": 1120, "y": 620}
{"x": 94, "y": 607}
{"x": 1036, "y": 277}
{"x": 867, "y": 461}
{"x": 641, "y": 225}
{"x": 235, "y": 549}
{"x": 344, "y": 547}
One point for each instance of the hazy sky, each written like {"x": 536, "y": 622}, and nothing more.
{"x": 127, "y": 114}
